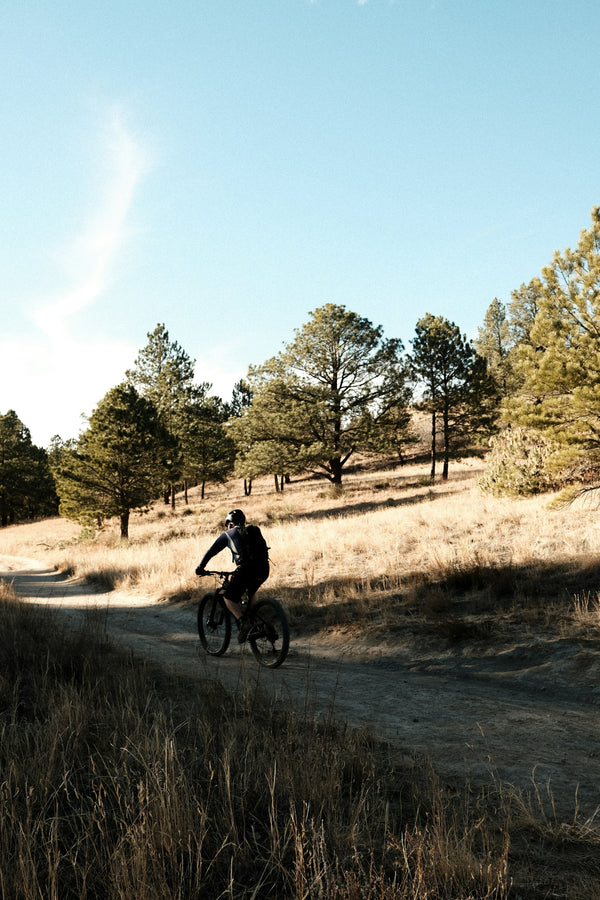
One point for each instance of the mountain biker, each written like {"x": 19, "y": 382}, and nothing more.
{"x": 250, "y": 555}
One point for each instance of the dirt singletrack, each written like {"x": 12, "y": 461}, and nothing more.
{"x": 528, "y": 716}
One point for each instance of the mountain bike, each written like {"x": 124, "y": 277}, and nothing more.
{"x": 269, "y": 635}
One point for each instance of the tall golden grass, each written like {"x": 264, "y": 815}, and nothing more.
{"x": 117, "y": 780}
{"x": 123, "y": 782}
{"x": 379, "y": 546}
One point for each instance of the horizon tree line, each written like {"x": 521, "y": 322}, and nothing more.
{"x": 340, "y": 387}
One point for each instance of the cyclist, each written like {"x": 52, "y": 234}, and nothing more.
{"x": 251, "y": 557}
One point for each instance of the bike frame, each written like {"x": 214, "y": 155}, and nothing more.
{"x": 268, "y": 637}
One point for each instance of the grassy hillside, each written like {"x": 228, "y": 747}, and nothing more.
{"x": 122, "y": 781}
{"x": 392, "y": 555}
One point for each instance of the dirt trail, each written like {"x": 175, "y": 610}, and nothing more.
{"x": 530, "y": 712}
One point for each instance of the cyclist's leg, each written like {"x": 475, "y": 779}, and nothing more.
{"x": 234, "y": 592}
{"x": 244, "y": 580}
{"x": 255, "y": 580}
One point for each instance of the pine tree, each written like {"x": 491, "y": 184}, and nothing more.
{"x": 457, "y": 391}
{"x": 164, "y": 374}
{"x": 560, "y": 364}
{"x": 267, "y": 441}
{"x": 208, "y": 449}
{"x": 338, "y": 367}
{"x": 524, "y": 306}
{"x": 119, "y": 462}
{"x": 494, "y": 344}
{"x": 241, "y": 399}
{"x": 26, "y": 485}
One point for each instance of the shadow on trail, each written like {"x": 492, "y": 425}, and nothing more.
{"x": 487, "y": 701}
{"x": 478, "y": 622}
{"x": 47, "y": 584}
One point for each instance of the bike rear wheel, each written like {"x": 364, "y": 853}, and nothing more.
{"x": 269, "y": 636}
{"x": 214, "y": 624}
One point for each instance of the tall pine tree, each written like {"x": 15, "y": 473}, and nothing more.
{"x": 457, "y": 391}
{"x": 27, "y": 488}
{"x": 331, "y": 389}
{"x": 164, "y": 374}
{"x": 494, "y": 342}
{"x": 560, "y": 363}
{"x": 120, "y": 461}
{"x": 207, "y": 447}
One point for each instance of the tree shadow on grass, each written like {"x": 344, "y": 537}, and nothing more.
{"x": 468, "y": 612}
{"x": 466, "y": 604}
{"x": 346, "y": 510}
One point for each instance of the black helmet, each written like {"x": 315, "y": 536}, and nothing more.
{"x": 235, "y": 517}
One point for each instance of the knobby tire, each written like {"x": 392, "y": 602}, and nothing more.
{"x": 214, "y": 624}
{"x": 269, "y": 636}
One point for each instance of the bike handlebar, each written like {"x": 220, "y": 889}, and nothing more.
{"x": 220, "y": 574}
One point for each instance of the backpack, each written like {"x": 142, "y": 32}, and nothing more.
{"x": 256, "y": 552}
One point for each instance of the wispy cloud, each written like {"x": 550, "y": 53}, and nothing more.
{"x": 93, "y": 253}
{"x": 51, "y": 377}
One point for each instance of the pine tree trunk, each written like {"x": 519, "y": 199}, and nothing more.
{"x": 446, "y": 446}
{"x": 125, "y": 525}
{"x": 433, "y": 447}
{"x": 335, "y": 467}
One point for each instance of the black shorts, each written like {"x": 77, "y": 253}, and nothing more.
{"x": 245, "y": 579}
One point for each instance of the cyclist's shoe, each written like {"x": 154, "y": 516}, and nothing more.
{"x": 244, "y": 628}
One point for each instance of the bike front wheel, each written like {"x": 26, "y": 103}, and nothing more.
{"x": 269, "y": 637}
{"x": 214, "y": 624}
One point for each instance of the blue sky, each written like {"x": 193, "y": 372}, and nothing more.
{"x": 226, "y": 166}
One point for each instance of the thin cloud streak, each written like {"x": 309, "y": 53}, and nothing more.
{"x": 94, "y": 252}
{"x": 51, "y": 377}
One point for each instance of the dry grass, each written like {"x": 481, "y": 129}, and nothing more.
{"x": 117, "y": 782}
{"x": 390, "y": 547}
{"x": 121, "y": 782}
